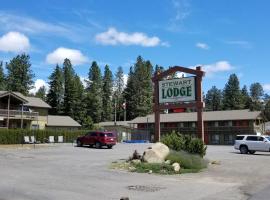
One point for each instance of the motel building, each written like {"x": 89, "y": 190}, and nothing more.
{"x": 220, "y": 127}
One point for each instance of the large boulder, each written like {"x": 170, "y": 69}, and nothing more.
{"x": 156, "y": 154}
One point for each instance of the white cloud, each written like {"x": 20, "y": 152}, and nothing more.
{"x": 240, "y": 43}
{"x": 38, "y": 84}
{"x": 220, "y": 66}
{"x": 59, "y": 54}
{"x": 21, "y": 23}
{"x": 14, "y": 42}
{"x": 202, "y": 46}
{"x": 266, "y": 87}
{"x": 181, "y": 11}
{"x": 114, "y": 37}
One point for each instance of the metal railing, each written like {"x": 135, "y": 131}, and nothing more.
{"x": 19, "y": 114}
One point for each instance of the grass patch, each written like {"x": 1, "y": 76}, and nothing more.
{"x": 187, "y": 160}
{"x": 154, "y": 167}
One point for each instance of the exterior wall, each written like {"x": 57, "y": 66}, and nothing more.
{"x": 216, "y": 132}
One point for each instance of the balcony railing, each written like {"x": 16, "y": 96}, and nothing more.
{"x": 17, "y": 114}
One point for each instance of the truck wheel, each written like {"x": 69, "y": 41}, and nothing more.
{"x": 79, "y": 143}
{"x": 251, "y": 152}
{"x": 243, "y": 150}
{"x": 109, "y": 146}
{"x": 98, "y": 145}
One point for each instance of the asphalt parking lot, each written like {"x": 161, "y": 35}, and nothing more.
{"x": 62, "y": 171}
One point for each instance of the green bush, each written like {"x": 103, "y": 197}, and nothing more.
{"x": 187, "y": 160}
{"x": 15, "y": 136}
{"x": 177, "y": 142}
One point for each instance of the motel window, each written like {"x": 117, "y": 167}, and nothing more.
{"x": 215, "y": 139}
{"x": 223, "y": 123}
{"x": 228, "y": 139}
{"x": 211, "y": 123}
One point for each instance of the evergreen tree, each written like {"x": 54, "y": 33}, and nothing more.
{"x": 245, "y": 97}
{"x": 41, "y": 93}
{"x": 256, "y": 91}
{"x": 56, "y": 91}
{"x": 213, "y": 99}
{"x": 107, "y": 94}
{"x": 94, "y": 93}
{"x": 69, "y": 88}
{"x": 256, "y": 94}
{"x": 139, "y": 91}
{"x": 2, "y": 77}
{"x": 78, "y": 106}
{"x": 19, "y": 74}
{"x": 118, "y": 98}
{"x": 232, "y": 95}
{"x": 129, "y": 95}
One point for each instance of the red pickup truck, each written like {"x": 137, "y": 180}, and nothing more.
{"x": 97, "y": 139}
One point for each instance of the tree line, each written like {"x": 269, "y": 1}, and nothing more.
{"x": 105, "y": 97}
{"x": 232, "y": 97}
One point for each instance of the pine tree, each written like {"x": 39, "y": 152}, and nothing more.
{"x": 139, "y": 91}
{"x": 2, "y": 77}
{"x": 129, "y": 95}
{"x": 232, "y": 95}
{"x": 94, "y": 93}
{"x": 41, "y": 93}
{"x": 55, "y": 96}
{"x": 256, "y": 94}
{"x": 245, "y": 97}
{"x": 107, "y": 94}
{"x": 69, "y": 88}
{"x": 19, "y": 74}
{"x": 213, "y": 99}
{"x": 79, "y": 107}
{"x": 118, "y": 98}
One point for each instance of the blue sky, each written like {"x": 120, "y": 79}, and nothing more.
{"x": 225, "y": 36}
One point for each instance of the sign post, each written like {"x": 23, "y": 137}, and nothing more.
{"x": 179, "y": 93}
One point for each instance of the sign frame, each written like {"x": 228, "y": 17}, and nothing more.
{"x": 198, "y": 103}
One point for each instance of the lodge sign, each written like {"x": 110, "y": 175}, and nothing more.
{"x": 177, "y": 90}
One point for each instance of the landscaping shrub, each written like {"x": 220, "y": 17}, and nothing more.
{"x": 187, "y": 160}
{"x": 177, "y": 142}
{"x": 15, "y": 136}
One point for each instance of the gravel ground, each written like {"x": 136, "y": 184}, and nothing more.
{"x": 62, "y": 171}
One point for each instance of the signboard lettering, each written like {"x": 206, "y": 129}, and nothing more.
{"x": 177, "y": 90}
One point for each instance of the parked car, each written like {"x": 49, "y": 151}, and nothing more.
{"x": 252, "y": 143}
{"x": 97, "y": 139}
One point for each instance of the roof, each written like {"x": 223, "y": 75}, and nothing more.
{"x": 63, "y": 121}
{"x": 207, "y": 116}
{"x": 111, "y": 123}
{"x": 29, "y": 101}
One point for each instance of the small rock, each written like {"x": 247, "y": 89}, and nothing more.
{"x": 150, "y": 171}
{"x": 135, "y": 161}
{"x": 168, "y": 162}
{"x": 216, "y": 162}
{"x": 176, "y": 167}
